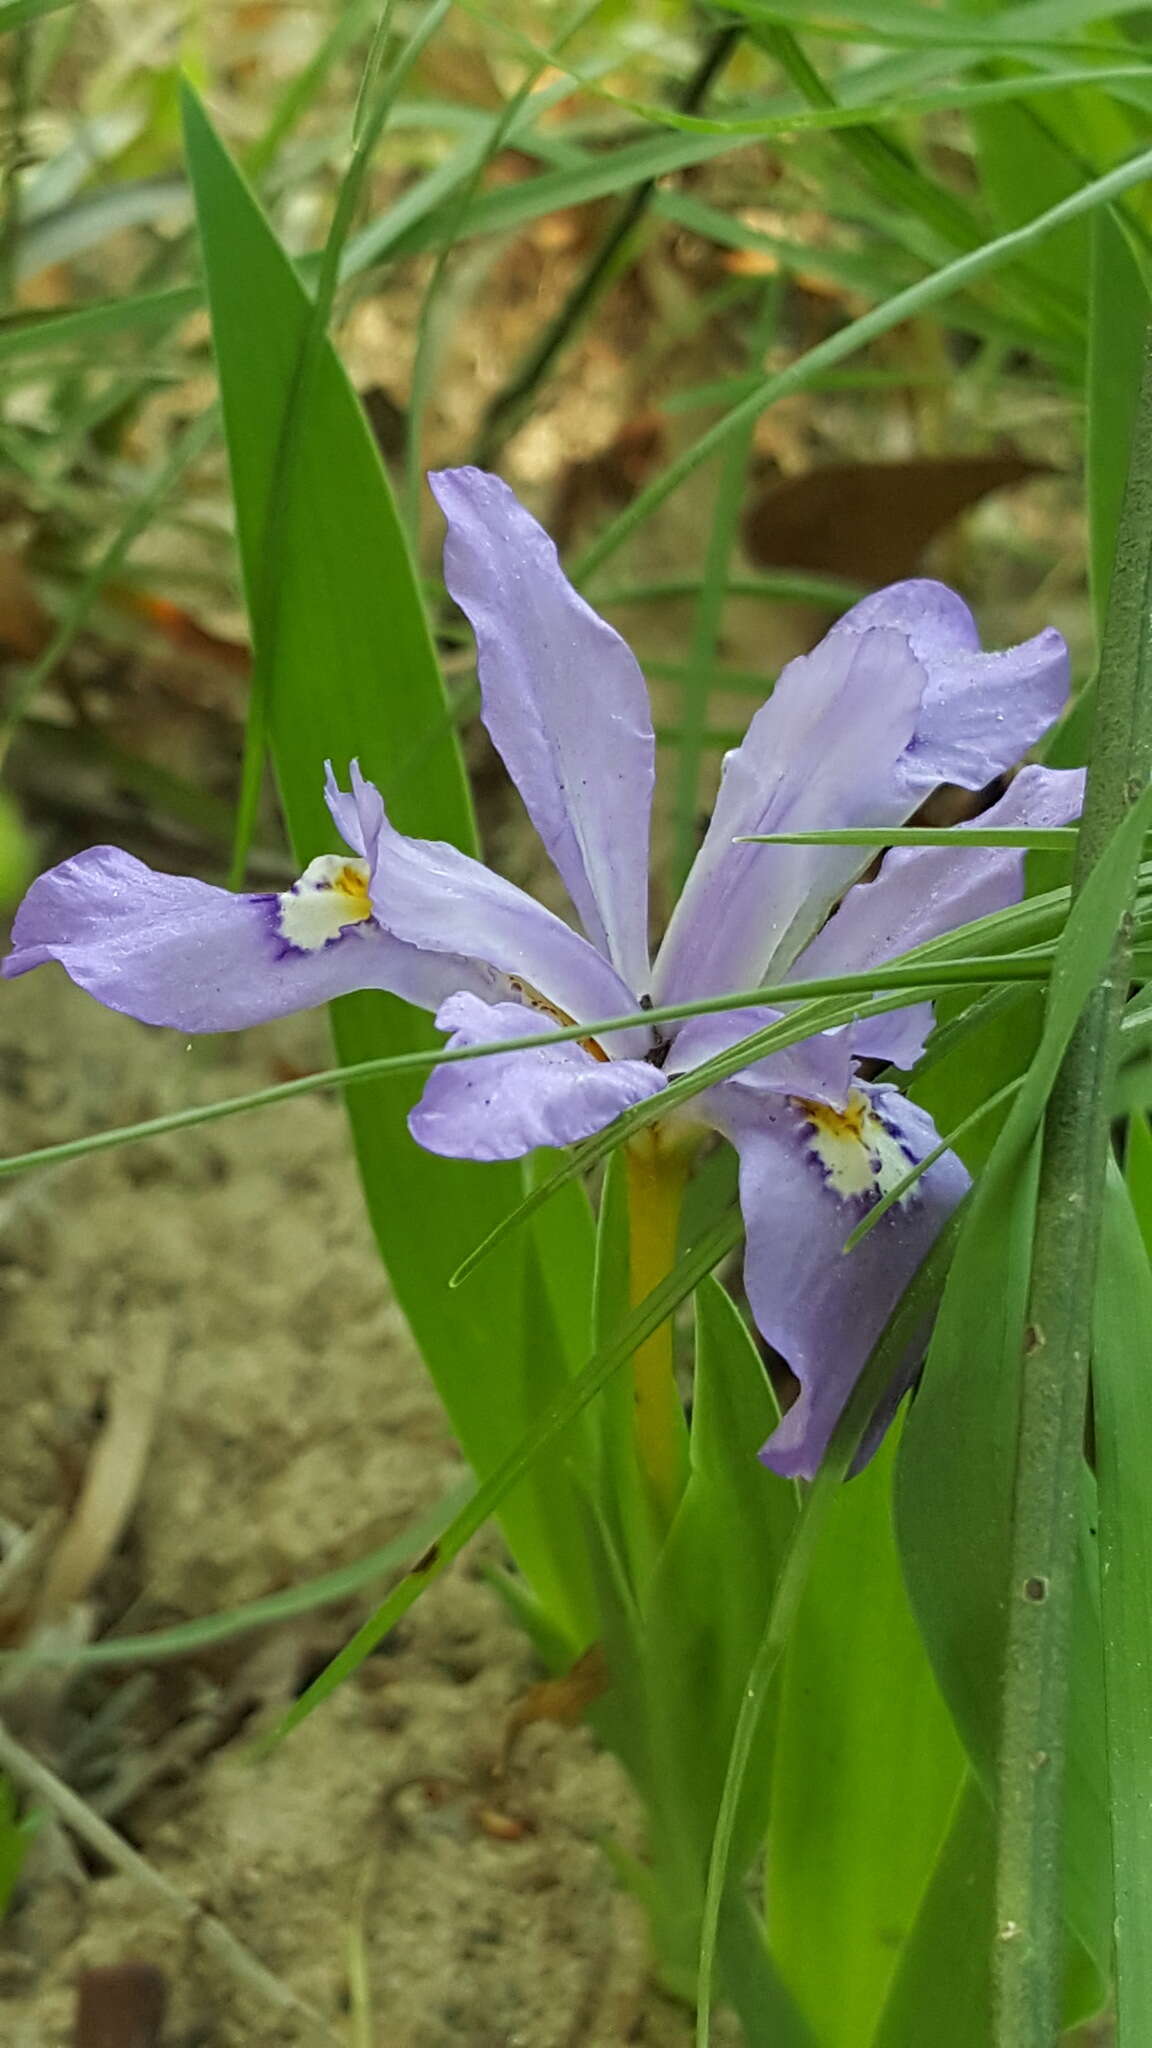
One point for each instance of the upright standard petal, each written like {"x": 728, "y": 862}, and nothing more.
{"x": 808, "y": 1175}
{"x": 982, "y": 712}
{"x": 433, "y": 897}
{"x": 824, "y": 753}
{"x": 565, "y": 704}
{"x": 506, "y": 1104}
{"x": 922, "y": 892}
{"x": 171, "y": 950}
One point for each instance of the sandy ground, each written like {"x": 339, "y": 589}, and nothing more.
{"x": 372, "y": 1863}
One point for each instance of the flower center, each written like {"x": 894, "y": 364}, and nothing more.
{"x": 858, "y": 1153}
{"x": 331, "y": 895}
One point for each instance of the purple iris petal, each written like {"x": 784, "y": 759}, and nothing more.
{"x": 435, "y": 898}
{"x": 923, "y": 892}
{"x": 171, "y": 950}
{"x": 822, "y": 1309}
{"x": 565, "y": 704}
{"x": 823, "y": 753}
{"x": 819, "y": 1066}
{"x": 982, "y": 712}
{"x": 506, "y": 1105}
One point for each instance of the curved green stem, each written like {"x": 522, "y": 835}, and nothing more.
{"x": 657, "y": 1172}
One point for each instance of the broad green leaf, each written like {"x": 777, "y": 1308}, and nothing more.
{"x": 799, "y": 1552}
{"x": 355, "y": 676}
{"x": 713, "y": 1586}
{"x": 867, "y": 1771}
{"x": 1122, "y": 1390}
{"x": 1024, "y": 171}
{"x": 1118, "y": 314}
{"x": 941, "y": 1991}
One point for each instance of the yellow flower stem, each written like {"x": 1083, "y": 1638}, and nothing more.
{"x": 657, "y": 1172}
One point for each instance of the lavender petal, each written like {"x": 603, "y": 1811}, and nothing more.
{"x": 565, "y": 704}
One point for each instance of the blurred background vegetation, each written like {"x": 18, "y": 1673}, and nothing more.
{"x": 745, "y": 303}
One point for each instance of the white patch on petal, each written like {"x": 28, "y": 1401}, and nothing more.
{"x": 859, "y": 1155}
{"x": 331, "y": 895}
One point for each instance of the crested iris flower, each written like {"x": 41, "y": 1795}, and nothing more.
{"x": 897, "y": 699}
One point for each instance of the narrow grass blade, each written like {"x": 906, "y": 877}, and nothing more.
{"x": 867, "y": 1770}
{"x": 188, "y": 1637}
{"x": 905, "y": 305}
{"x": 795, "y": 1567}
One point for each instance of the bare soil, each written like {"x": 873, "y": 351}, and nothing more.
{"x": 219, "y": 1289}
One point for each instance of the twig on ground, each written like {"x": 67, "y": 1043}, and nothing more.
{"x": 217, "y": 1940}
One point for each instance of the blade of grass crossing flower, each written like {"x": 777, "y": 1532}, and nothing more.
{"x": 1123, "y": 1410}
{"x": 789, "y": 1591}
{"x": 357, "y": 1074}
{"x": 356, "y": 675}
{"x": 1118, "y": 315}
{"x": 490, "y": 1497}
{"x": 867, "y": 1770}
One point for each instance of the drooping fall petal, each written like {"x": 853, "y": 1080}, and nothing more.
{"x": 174, "y": 951}
{"x": 507, "y": 1104}
{"x": 807, "y": 1177}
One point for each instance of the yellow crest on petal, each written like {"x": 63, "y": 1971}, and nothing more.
{"x": 858, "y": 1154}
{"x": 331, "y": 895}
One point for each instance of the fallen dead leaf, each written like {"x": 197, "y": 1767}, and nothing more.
{"x": 871, "y": 521}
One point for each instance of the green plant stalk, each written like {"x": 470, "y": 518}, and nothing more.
{"x": 657, "y": 1173}
{"x": 1029, "y": 1936}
